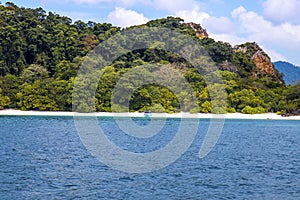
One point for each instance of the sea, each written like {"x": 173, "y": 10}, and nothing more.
{"x": 46, "y": 158}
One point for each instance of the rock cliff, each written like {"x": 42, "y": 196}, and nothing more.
{"x": 259, "y": 57}
{"x": 200, "y": 32}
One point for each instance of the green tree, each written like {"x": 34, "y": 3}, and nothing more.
{"x": 36, "y": 97}
{"x": 206, "y": 107}
{"x": 250, "y": 110}
{"x": 4, "y": 100}
{"x": 157, "y": 108}
{"x": 34, "y": 72}
{"x": 243, "y": 98}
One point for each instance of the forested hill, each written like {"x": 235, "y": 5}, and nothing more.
{"x": 291, "y": 73}
{"x": 40, "y": 54}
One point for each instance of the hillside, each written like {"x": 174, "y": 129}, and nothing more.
{"x": 291, "y": 73}
{"x": 41, "y": 53}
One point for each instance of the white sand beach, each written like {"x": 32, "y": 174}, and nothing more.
{"x": 266, "y": 116}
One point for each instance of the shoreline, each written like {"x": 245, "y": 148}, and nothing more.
{"x": 265, "y": 116}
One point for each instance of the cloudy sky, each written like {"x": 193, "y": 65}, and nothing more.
{"x": 273, "y": 24}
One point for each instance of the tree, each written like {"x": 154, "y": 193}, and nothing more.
{"x": 35, "y": 96}
{"x": 10, "y": 87}
{"x": 220, "y": 51}
{"x": 34, "y": 72}
{"x": 250, "y": 110}
{"x": 293, "y": 99}
{"x": 241, "y": 99}
{"x": 157, "y": 108}
{"x": 206, "y": 107}
{"x": 4, "y": 100}
{"x": 40, "y": 55}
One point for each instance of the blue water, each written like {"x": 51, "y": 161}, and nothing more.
{"x": 43, "y": 158}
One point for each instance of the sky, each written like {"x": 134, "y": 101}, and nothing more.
{"x": 273, "y": 24}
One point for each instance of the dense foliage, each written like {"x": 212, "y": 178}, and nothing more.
{"x": 40, "y": 54}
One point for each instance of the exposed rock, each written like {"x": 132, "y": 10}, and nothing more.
{"x": 263, "y": 63}
{"x": 240, "y": 49}
{"x": 200, "y": 32}
{"x": 259, "y": 57}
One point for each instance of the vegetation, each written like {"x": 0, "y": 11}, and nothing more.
{"x": 40, "y": 54}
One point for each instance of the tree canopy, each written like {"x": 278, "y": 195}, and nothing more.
{"x": 41, "y": 53}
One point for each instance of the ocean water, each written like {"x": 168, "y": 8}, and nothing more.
{"x": 44, "y": 158}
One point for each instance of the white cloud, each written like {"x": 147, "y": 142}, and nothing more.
{"x": 231, "y": 38}
{"x": 65, "y": 2}
{"x": 174, "y": 6}
{"x": 192, "y": 16}
{"x": 217, "y": 1}
{"x": 275, "y": 56}
{"x": 124, "y": 18}
{"x": 250, "y": 22}
{"x": 79, "y": 16}
{"x": 257, "y": 27}
{"x": 167, "y": 5}
{"x": 282, "y": 11}
{"x": 219, "y": 25}
{"x": 236, "y": 12}
{"x": 125, "y": 3}
{"x": 89, "y": 1}
{"x": 129, "y": 3}
{"x": 284, "y": 37}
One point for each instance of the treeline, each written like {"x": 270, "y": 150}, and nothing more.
{"x": 40, "y": 54}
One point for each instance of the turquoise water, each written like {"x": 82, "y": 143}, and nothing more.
{"x": 43, "y": 158}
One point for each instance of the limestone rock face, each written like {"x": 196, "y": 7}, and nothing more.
{"x": 200, "y": 32}
{"x": 259, "y": 57}
{"x": 263, "y": 63}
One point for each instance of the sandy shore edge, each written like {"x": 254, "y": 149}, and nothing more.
{"x": 265, "y": 116}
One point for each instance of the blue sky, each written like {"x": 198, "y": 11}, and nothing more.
{"x": 273, "y": 24}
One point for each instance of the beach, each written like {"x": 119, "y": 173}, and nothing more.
{"x": 265, "y": 116}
